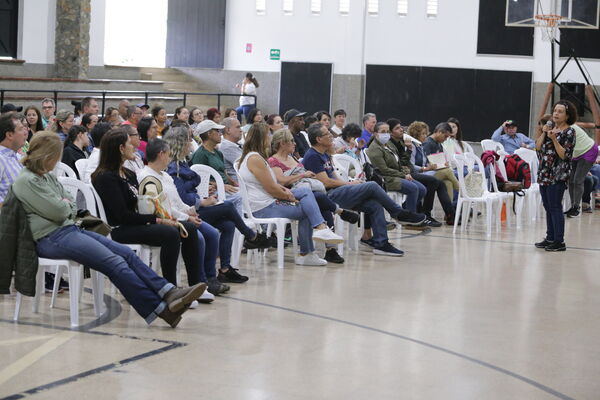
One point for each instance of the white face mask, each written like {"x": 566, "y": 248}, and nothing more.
{"x": 383, "y": 137}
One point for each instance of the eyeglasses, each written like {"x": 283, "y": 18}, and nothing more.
{"x": 47, "y": 107}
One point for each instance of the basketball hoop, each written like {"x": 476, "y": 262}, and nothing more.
{"x": 549, "y": 24}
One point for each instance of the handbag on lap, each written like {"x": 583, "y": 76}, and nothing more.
{"x": 153, "y": 200}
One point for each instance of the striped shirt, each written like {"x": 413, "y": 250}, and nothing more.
{"x": 10, "y": 167}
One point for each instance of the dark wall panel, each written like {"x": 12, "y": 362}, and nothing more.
{"x": 493, "y": 37}
{"x": 585, "y": 42}
{"x": 196, "y": 33}
{"x": 9, "y": 18}
{"x": 305, "y": 86}
{"x": 480, "y": 99}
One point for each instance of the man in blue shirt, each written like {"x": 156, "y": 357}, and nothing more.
{"x": 13, "y": 135}
{"x": 369, "y": 121}
{"x": 510, "y": 139}
{"x": 367, "y": 197}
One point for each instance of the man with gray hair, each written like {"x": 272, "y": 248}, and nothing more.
{"x": 230, "y": 147}
{"x": 369, "y": 121}
{"x": 48, "y": 109}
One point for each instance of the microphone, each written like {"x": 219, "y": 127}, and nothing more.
{"x": 550, "y": 124}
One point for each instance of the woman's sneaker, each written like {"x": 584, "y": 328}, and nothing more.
{"x": 409, "y": 218}
{"x": 585, "y": 207}
{"x": 556, "y": 246}
{"x": 310, "y": 259}
{"x": 388, "y": 250}
{"x": 366, "y": 244}
{"x": 332, "y": 256}
{"x": 349, "y": 216}
{"x": 327, "y": 236}
{"x": 232, "y": 276}
{"x": 216, "y": 288}
{"x": 543, "y": 244}
{"x": 259, "y": 242}
{"x": 206, "y": 298}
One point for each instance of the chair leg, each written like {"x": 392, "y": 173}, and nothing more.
{"x": 457, "y": 214}
{"x": 39, "y": 288}
{"x": 236, "y": 251}
{"x": 488, "y": 217}
{"x": 57, "y": 277}
{"x": 18, "y": 306}
{"x": 295, "y": 238}
{"x": 98, "y": 292}
{"x": 280, "y": 245}
{"x": 75, "y": 285}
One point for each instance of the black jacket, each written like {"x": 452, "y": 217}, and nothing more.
{"x": 17, "y": 248}
{"x": 72, "y": 153}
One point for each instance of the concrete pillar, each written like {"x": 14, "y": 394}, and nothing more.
{"x": 72, "y": 39}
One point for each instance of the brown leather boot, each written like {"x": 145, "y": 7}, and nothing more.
{"x": 173, "y": 318}
{"x": 176, "y": 298}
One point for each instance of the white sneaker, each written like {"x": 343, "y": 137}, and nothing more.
{"x": 193, "y": 305}
{"x": 207, "y": 297}
{"x": 327, "y": 236}
{"x": 310, "y": 259}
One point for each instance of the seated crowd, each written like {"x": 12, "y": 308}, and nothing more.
{"x": 286, "y": 164}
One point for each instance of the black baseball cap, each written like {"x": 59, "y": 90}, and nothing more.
{"x": 289, "y": 114}
{"x": 511, "y": 122}
{"x": 8, "y": 107}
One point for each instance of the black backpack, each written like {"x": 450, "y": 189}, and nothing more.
{"x": 372, "y": 174}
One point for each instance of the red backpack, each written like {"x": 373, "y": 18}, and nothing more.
{"x": 517, "y": 170}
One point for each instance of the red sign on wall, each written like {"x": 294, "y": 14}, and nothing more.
{"x": 248, "y": 47}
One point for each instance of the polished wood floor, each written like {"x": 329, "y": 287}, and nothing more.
{"x": 459, "y": 317}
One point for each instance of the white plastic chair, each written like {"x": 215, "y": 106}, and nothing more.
{"x": 466, "y": 203}
{"x": 278, "y": 223}
{"x": 63, "y": 170}
{"x": 207, "y": 174}
{"x": 533, "y": 198}
{"x": 341, "y": 165}
{"x": 75, "y": 270}
{"x": 488, "y": 144}
{"x": 81, "y": 166}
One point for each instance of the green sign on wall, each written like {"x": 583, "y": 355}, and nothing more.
{"x": 275, "y": 54}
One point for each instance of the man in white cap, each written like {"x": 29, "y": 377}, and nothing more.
{"x": 207, "y": 154}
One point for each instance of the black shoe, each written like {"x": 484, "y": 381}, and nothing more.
{"x": 49, "y": 283}
{"x": 556, "y": 246}
{"x": 216, "y": 288}
{"x": 367, "y": 244}
{"x": 232, "y": 276}
{"x": 543, "y": 244}
{"x": 349, "y": 216}
{"x": 388, "y": 250}
{"x": 259, "y": 242}
{"x": 432, "y": 222}
{"x": 331, "y": 255}
{"x": 573, "y": 212}
{"x": 409, "y": 218}
{"x": 63, "y": 284}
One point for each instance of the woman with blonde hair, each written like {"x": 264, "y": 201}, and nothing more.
{"x": 51, "y": 215}
{"x": 62, "y": 123}
{"x": 290, "y": 173}
{"x": 270, "y": 199}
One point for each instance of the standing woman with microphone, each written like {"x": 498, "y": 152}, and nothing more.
{"x": 555, "y": 151}
{"x": 247, "y": 103}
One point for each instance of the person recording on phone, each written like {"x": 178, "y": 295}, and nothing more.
{"x": 511, "y": 139}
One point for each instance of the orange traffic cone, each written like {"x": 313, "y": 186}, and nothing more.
{"x": 503, "y": 213}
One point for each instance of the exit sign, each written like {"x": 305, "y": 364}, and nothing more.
{"x": 275, "y": 54}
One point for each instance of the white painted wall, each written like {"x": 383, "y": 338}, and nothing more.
{"x": 37, "y": 31}
{"x": 450, "y": 40}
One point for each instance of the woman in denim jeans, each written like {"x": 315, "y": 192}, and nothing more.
{"x": 51, "y": 212}
{"x": 268, "y": 199}
{"x": 555, "y": 151}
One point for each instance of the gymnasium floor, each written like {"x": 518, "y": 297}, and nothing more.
{"x": 459, "y": 317}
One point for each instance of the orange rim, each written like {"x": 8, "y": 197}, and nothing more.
{"x": 549, "y": 19}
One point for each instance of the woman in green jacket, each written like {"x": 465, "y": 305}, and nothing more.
{"x": 51, "y": 213}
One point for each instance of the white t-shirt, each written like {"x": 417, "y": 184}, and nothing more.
{"x": 257, "y": 195}
{"x": 336, "y": 129}
{"x": 248, "y": 88}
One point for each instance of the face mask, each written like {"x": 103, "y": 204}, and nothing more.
{"x": 383, "y": 137}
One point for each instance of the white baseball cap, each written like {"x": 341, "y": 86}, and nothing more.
{"x": 206, "y": 126}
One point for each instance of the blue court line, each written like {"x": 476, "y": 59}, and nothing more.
{"x": 504, "y": 371}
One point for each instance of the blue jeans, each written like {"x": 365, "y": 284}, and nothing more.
{"x": 371, "y": 199}
{"x": 326, "y": 206}
{"x": 596, "y": 172}
{"x": 225, "y": 218}
{"x": 208, "y": 243}
{"x": 414, "y": 191}
{"x": 141, "y": 287}
{"x": 244, "y": 110}
{"x": 552, "y": 196}
{"x": 306, "y": 212}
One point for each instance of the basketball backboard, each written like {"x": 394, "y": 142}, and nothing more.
{"x": 579, "y": 14}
